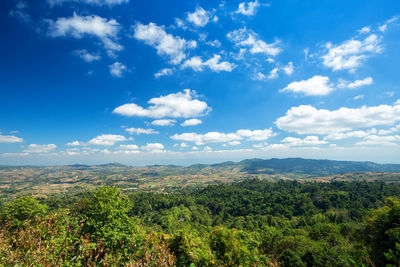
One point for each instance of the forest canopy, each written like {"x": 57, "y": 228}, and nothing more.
{"x": 251, "y": 223}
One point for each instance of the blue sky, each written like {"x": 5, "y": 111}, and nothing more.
{"x": 181, "y": 82}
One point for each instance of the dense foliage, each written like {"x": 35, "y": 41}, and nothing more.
{"x": 251, "y": 223}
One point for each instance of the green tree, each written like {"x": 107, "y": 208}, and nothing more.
{"x": 289, "y": 258}
{"x": 24, "y": 208}
{"x": 382, "y": 232}
{"x": 105, "y": 218}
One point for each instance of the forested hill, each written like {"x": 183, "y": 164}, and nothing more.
{"x": 22, "y": 180}
{"x": 308, "y": 167}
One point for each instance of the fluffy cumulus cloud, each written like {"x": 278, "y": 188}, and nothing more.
{"x": 117, "y": 69}
{"x": 93, "y": 26}
{"x": 256, "y": 135}
{"x": 179, "y": 105}
{"x": 306, "y": 119}
{"x": 248, "y": 8}
{"x": 199, "y": 17}
{"x": 197, "y": 64}
{"x": 86, "y": 56}
{"x": 317, "y": 85}
{"x": 191, "y": 122}
{"x": 164, "y": 122}
{"x": 247, "y": 38}
{"x": 153, "y": 147}
{"x": 217, "y": 137}
{"x": 356, "y": 83}
{"x": 92, "y": 2}
{"x": 75, "y": 143}
{"x": 307, "y": 141}
{"x": 128, "y": 147}
{"x": 107, "y": 139}
{"x": 10, "y": 139}
{"x": 141, "y": 131}
{"x": 166, "y": 44}
{"x": 350, "y": 54}
{"x": 40, "y": 149}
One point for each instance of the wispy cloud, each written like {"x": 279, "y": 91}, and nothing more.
{"x": 166, "y": 44}
{"x": 247, "y": 38}
{"x": 117, "y": 69}
{"x": 91, "y": 26}
{"x": 351, "y": 54}
{"x": 214, "y": 64}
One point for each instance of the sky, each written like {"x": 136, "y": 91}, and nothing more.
{"x": 184, "y": 82}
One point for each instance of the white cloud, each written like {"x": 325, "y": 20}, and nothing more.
{"x": 166, "y": 44}
{"x": 86, "y": 56}
{"x": 128, "y": 147}
{"x": 273, "y": 74}
{"x": 10, "y": 139}
{"x": 365, "y": 29}
{"x": 248, "y": 8}
{"x": 259, "y": 76}
{"x": 355, "y": 84}
{"x": 191, "y": 122}
{"x": 164, "y": 72}
{"x": 234, "y": 143}
{"x": 317, "y": 85}
{"x": 217, "y": 137}
{"x": 358, "y": 97}
{"x": 390, "y": 130}
{"x": 179, "y": 105}
{"x": 306, "y": 119}
{"x": 154, "y": 147}
{"x": 183, "y": 145}
{"x": 214, "y": 43}
{"x": 210, "y": 137}
{"x": 247, "y": 38}
{"x": 256, "y": 135}
{"x": 350, "y": 54}
{"x": 117, "y": 69}
{"x": 75, "y": 143}
{"x": 107, "y": 139}
{"x": 384, "y": 27}
{"x": 164, "y": 122}
{"x": 80, "y": 26}
{"x": 352, "y": 134}
{"x": 288, "y": 69}
{"x": 307, "y": 141}
{"x": 34, "y": 148}
{"x": 380, "y": 140}
{"x": 213, "y": 64}
{"x": 199, "y": 17}
{"x": 141, "y": 131}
